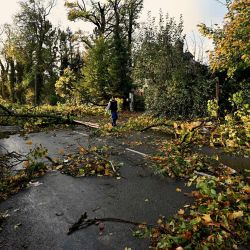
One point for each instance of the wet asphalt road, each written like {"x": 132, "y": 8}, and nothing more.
{"x": 46, "y": 212}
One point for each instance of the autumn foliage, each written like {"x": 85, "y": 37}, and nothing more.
{"x": 232, "y": 50}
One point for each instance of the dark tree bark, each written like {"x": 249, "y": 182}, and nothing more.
{"x": 12, "y": 79}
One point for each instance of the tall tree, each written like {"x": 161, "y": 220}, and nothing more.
{"x": 7, "y": 63}
{"x": 132, "y": 9}
{"x": 96, "y": 13}
{"x": 119, "y": 63}
{"x": 68, "y": 50}
{"x": 37, "y": 34}
{"x": 114, "y": 21}
{"x": 175, "y": 85}
{"x": 96, "y": 70}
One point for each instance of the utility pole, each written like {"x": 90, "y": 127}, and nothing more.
{"x": 131, "y": 101}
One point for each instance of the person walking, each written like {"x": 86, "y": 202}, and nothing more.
{"x": 113, "y": 107}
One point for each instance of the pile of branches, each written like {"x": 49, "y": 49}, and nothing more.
{"x": 9, "y": 160}
{"x": 12, "y": 182}
{"x": 88, "y": 162}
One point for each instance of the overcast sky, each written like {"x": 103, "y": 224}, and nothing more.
{"x": 193, "y": 11}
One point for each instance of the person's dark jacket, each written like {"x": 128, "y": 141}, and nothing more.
{"x": 113, "y": 106}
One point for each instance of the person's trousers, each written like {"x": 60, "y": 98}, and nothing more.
{"x": 114, "y": 117}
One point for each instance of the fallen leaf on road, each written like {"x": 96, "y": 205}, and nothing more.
{"x": 35, "y": 184}
{"x": 61, "y": 151}
{"x": 26, "y": 164}
{"x": 29, "y": 142}
{"x": 196, "y": 194}
{"x": 17, "y": 225}
{"x": 59, "y": 167}
{"x": 178, "y": 190}
{"x": 181, "y": 212}
{"x": 59, "y": 214}
{"x": 235, "y": 215}
{"x": 246, "y": 189}
{"x": 142, "y": 226}
{"x": 159, "y": 221}
{"x": 187, "y": 235}
{"x": 82, "y": 150}
{"x": 4, "y": 215}
{"x": 207, "y": 219}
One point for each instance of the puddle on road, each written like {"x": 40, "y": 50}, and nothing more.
{"x": 14, "y": 143}
{"x": 9, "y": 129}
{"x": 6, "y": 131}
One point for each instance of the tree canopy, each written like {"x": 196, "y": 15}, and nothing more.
{"x": 231, "y": 42}
{"x": 174, "y": 83}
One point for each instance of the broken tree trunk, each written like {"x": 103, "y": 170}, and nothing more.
{"x": 57, "y": 119}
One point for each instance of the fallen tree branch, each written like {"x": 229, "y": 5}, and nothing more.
{"x": 11, "y": 159}
{"x": 53, "y": 119}
{"x": 156, "y": 125}
{"x": 10, "y": 112}
{"x": 84, "y": 222}
{"x": 58, "y": 119}
{"x": 51, "y": 160}
{"x": 33, "y": 116}
{"x": 87, "y": 124}
{"x": 190, "y": 131}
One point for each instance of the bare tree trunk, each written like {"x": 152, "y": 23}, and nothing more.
{"x": 12, "y": 79}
